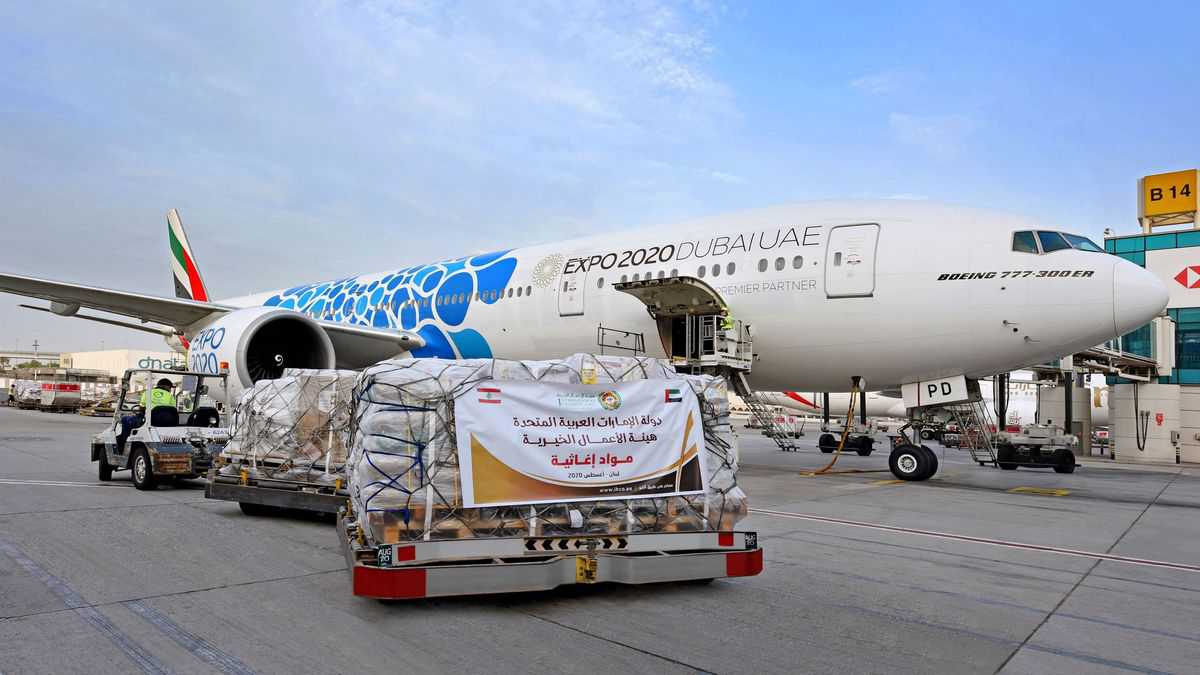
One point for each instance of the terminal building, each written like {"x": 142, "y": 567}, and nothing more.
{"x": 1155, "y": 416}
{"x": 115, "y": 362}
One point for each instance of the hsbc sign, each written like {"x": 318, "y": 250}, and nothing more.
{"x": 1179, "y": 270}
{"x": 1189, "y": 277}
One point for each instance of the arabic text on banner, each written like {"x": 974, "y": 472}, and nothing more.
{"x": 533, "y": 442}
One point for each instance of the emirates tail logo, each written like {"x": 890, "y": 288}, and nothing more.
{"x": 1189, "y": 277}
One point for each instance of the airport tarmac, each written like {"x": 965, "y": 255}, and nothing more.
{"x": 99, "y": 577}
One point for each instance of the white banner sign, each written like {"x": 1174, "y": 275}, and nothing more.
{"x": 534, "y": 442}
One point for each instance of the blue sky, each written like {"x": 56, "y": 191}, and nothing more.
{"x": 302, "y": 141}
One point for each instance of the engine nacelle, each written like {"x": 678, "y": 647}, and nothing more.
{"x": 258, "y": 343}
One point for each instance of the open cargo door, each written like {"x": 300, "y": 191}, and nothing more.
{"x": 691, "y": 316}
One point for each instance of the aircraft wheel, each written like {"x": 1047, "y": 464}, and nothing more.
{"x": 106, "y": 469}
{"x": 1004, "y": 457}
{"x": 827, "y": 443}
{"x": 909, "y": 462}
{"x": 143, "y": 470}
{"x": 1064, "y": 461}
{"x": 927, "y": 434}
{"x": 865, "y": 446}
{"x": 933, "y": 460}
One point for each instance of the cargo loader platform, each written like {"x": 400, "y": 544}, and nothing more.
{"x": 427, "y": 569}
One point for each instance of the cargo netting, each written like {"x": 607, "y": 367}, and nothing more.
{"x": 27, "y": 391}
{"x": 403, "y": 467}
{"x": 294, "y": 428}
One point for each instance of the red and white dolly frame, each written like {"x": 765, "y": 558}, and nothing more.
{"x": 428, "y": 569}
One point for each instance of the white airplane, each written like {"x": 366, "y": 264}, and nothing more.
{"x": 890, "y": 291}
{"x": 879, "y": 404}
{"x": 1021, "y": 409}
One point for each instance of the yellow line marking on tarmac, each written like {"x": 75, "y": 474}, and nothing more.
{"x": 894, "y": 481}
{"x": 1045, "y": 492}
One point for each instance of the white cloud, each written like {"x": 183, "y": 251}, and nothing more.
{"x": 353, "y": 136}
{"x": 941, "y": 136}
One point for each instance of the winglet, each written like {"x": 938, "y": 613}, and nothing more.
{"x": 188, "y": 283}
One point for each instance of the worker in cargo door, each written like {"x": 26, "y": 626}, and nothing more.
{"x": 160, "y": 395}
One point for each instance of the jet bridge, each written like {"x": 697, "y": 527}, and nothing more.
{"x": 700, "y": 335}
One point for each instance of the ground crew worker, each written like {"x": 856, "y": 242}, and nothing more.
{"x": 160, "y": 395}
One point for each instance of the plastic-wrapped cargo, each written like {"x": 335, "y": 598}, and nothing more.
{"x": 292, "y": 428}
{"x": 27, "y": 392}
{"x": 403, "y": 466}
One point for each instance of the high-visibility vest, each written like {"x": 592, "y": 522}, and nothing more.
{"x": 158, "y": 397}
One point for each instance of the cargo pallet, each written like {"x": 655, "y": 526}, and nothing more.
{"x": 249, "y": 489}
{"x": 428, "y": 569}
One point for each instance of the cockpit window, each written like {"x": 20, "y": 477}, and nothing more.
{"x": 1052, "y": 241}
{"x": 1082, "y": 243}
{"x": 1023, "y": 242}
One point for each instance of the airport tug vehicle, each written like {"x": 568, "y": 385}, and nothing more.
{"x": 169, "y": 441}
{"x": 861, "y": 437}
{"x": 1036, "y": 445}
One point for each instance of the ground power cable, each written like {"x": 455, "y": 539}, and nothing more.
{"x": 845, "y": 435}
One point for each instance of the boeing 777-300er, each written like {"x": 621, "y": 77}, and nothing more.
{"x": 892, "y": 292}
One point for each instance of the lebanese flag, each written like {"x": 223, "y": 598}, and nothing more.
{"x": 490, "y": 394}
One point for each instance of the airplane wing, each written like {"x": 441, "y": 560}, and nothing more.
{"x": 168, "y": 311}
{"x": 361, "y": 341}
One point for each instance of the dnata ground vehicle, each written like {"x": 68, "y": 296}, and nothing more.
{"x": 168, "y": 441}
{"x": 1037, "y": 445}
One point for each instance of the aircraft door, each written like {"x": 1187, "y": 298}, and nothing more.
{"x": 850, "y": 261}
{"x": 570, "y": 293}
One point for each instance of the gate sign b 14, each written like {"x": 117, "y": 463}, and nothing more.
{"x": 1167, "y": 193}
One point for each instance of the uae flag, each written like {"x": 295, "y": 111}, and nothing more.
{"x": 489, "y": 394}
{"x": 674, "y": 395}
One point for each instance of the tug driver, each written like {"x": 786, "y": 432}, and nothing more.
{"x": 160, "y": 395}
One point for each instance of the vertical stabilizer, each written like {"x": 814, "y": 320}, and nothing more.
{"x": 188, "y": 283}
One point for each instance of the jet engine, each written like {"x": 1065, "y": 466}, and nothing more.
{"x": 258, "y": 344}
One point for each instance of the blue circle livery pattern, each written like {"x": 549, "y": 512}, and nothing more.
{"x": 431, "y": 300}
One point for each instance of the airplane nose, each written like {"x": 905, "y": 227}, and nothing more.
{"x": 1138, "y": 296}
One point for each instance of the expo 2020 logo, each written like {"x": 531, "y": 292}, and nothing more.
{"x": 547, "y": 269}
{"x": 609, "y": 400}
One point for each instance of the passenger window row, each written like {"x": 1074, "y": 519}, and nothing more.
{"x": 730, "y": 268}
{"x": 781, "y": 263}
{"x": 458, "y": 298}
{"x": 714, "y": 270}
{"x": 638, "y": 276}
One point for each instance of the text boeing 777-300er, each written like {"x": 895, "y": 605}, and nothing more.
{"x": 893, "y": 292}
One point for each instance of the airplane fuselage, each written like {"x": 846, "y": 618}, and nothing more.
{"x": 893, "y": 292}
